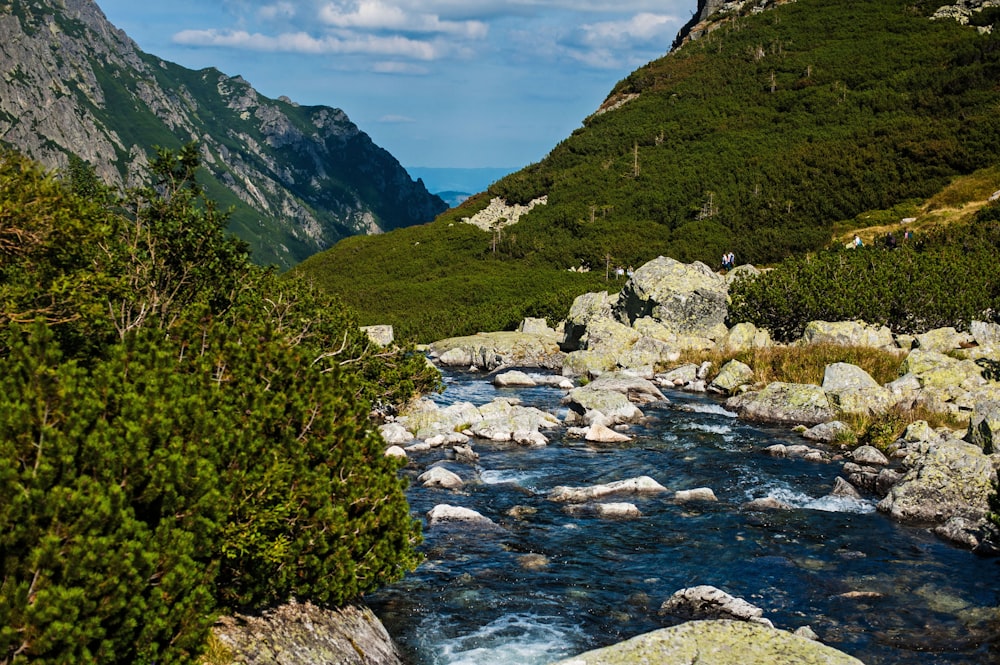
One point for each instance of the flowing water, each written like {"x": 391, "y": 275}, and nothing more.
{"x": 547, "y": 585}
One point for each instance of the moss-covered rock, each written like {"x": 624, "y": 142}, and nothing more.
{"x": 715, "y": 643}
{"x": 785, "y": 403}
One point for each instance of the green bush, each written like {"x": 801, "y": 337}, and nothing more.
{"x": 180, "y": 432}
{"x": 911, "y": 289}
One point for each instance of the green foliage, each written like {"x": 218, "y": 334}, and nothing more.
{"x": 873, "y": 106}
{"x": 180, "y": 432}
{"x": 910, "y": 289}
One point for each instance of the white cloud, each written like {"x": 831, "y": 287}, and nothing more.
{"x": 384, "y": 16}
{"x": 640, "y": 28}
{"x": 300, "y": 42}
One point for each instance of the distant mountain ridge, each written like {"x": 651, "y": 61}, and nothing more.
{"x": 299, "y": 178}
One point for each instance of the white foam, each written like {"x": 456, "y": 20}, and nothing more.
{"x": 710, "y": 408}
{"x": 829, "y": 503}
{"x": 710, "y": 429}
{"x": 513, "y": 639}
{"x": 505, "y": 477}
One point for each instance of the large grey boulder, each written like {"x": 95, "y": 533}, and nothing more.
{"x": 608, "y": 335}
{"x": 942, "y": 340}
{"x": 746, "y": 336}
{"x": 784, "y": 403}
{"x": 851, "y": 390}
{"x": 688, "y": 299}
{"x": 732, "y": 376}
{"x": 635, "y": 388}
{"x": 638, "y": 485}
{"x": 936, "y": 370}
{"x": 381, "y": 335}
{"x": 984, "y": 426}
{"x": 438, "y": 476}
{"x": 847, "y": 333}
{"x": 614, "y": 407}
{"x": 709, "y": 602}
{"x": 986, "y": 335}
{"x": 444, "y": 513}
{"x": 585, "y": 308}
{"x": 488, "y": 351}
{"x": 719, "y": 642}
{"x": 304, "y": 634}
{"x": 950, "y": 479}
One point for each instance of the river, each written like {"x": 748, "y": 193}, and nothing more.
{"x": 548, "y": 585}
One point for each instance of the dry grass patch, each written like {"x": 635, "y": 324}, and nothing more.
{"x": 803, "y": 364}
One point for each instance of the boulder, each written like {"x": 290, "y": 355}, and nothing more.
{"x": 959, "y": 531}
{"x": 438, "y": 476}
{"x": 869, "y": 456}
{"x": 732, "y": 375}
{"x": 395, "y": 451}
{"x": 697, "y": 494}
{"x": 784, "y": 403}
{"x": 937, "y": 370}
{"x": 606, "y": 510}
{"x": 612, "y": 405}
{"x": 609, "y": 335}
{"x": 709, "y": 602}
{"x": 745, "y": 271}
{"x": 636, "y": 389}
{"x": 598, "y": 433}
{"x": 679, "y": 376}
{"x": 986, "y": 335}
{"x": 942, "y": 340}
{"x": 381, "y": 335}
{"x": 688, "y": 299}
{"x": 848, "y": 333}
{"x": 487, "y": 351}
{"x": 514, "y": 378}
{"x": 746, "y": 336}
{"x": 852, "y": 390}
{"x": 443, "y": 512}
{"x": 587, "y": 362}
{"x": 648, "y": 352}
{"x": 395, "y": 434}
{"x": 639, "y": 485}
{"x": 950, "y": 479}
{"x": 426, "y": 419}
{"x": 304, "y": 634}
{"x": 536, "y": 327}
{"x": 984, "y": 426}
{"x": 843, "y": 488}
{"x": 828, "y": 432}
{"x": 585, "y": 308}
{"x": 715, "y": 643}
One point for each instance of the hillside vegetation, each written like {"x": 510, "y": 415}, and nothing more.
{"x": 768, "y": 137}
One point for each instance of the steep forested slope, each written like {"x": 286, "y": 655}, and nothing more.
{"x": 755, "y": 138}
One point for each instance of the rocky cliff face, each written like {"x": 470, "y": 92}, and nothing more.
{"x": 299, "y": 178}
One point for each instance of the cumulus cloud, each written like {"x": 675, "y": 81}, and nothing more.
{"x": 387, "y": 16}
{"x": 300, "y": 42}
{"x": 640, "y": 28}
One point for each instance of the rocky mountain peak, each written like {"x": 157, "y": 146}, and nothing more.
{"x": 298, "y": 178}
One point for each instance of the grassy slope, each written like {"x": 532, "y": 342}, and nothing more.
{"x": 760, "y": 138}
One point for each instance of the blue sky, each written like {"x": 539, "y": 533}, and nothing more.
{"x": 438, "y": 83}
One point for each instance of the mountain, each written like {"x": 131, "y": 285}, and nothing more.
{"x": 299, "y": 178}
{"x": 770, "y": 127}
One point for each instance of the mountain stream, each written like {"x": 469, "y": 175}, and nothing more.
{"x": 548, "y": 585}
